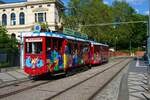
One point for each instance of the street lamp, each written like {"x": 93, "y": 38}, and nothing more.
{"x": 149, "y": 16}
{"x": 148, "y": 50}
{"x": 116, "y": 43}
{"x": 130, "y": 46}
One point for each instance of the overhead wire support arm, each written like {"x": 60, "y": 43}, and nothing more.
{"x": 116, "y": 23}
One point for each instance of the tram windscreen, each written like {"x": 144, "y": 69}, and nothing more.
{"x": 34, "y": 47}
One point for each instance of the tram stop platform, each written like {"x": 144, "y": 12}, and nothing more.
{"x": 9, "y": 75}
{"x": 134, "y": 84}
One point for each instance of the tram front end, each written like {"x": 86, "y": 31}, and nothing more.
{"x": 34, "y": 56}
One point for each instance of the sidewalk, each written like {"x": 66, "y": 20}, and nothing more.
{"x": 14, "y": 75}
{"x": 137, "y": 81}
{"x": 8, "y": 69}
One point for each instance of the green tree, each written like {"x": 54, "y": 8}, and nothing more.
{"x": 87, "y": 12}
{"x": 7, "y": 43}
{"x": 126, "y": 33}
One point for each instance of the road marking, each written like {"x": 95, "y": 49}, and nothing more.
{"x": 138, "y": 64}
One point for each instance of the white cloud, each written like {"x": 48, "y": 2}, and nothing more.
{"x": 146, "y": 12}
{"x": 105, "y": 2}
{"x": 137, "y": 10}
{"x": 136, "y": 2}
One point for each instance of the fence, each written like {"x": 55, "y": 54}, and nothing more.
{"x": 9, "y": 59}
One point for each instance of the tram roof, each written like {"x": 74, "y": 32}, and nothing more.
{"x": 96, "y": 43}
{"x": 51, "y": 34}
{"x": 58, "y": 35}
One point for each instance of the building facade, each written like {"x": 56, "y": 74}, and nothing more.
{"x": 22, "y": 16}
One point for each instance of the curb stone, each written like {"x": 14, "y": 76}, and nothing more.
{"x": 8, "y": 69}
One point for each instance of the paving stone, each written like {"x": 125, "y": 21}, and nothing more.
{"x": 137, "y": 95}
{"x": 134, "y": 98}
{"x": 17, "y": 75}
{"x": 12, "y": 76}
{"x": 22, "y": 72}
{"x": 5, "y": 77}
{"x": 137, "y": 82}
{"x": 147, "y": 94}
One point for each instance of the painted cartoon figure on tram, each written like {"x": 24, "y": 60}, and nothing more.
{"x": 85, "y": 56}
{"x": 55, "y": 59}
{"x": 34, "y": 62}
{"x": 60, "y": 58}
{"x": 75, "y": 57}
{"x": 69, "y": 58}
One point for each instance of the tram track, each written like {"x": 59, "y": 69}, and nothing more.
{"x": 5, "y": 84}
{"x": 15, "y": 82}
{"x": 98, "y": 91}
{"x": 23, "y": 89}
{"x": 15, "y": 92}
{"x": 83, "y": 81}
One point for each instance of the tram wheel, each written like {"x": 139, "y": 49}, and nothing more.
{"x": 33, "y": 77}
{"x": 89, "y": 66}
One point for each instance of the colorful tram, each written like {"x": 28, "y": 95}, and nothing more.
{"x": 59, "y": 53}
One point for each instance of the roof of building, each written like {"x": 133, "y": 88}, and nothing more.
{"x": 25, "y": 3}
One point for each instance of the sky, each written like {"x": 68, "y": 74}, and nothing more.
{"x": 141, "y": 6}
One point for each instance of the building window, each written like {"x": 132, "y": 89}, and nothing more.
{"x": 13, "y": 19}
{"x": 13, "y": 36}
{"x": 36, "y": 17}
{"x": 40, "y": 6}
{"x": 21, "y": 18}
{"x": 32, "y": 6}
{"x": 40, "y": 17}
{"x": 4, "y": 19}
{"x": 48, "y": 5}
{"x": 12, "y": 9}
{"x": 45, "y": 16}
{"x": 21, "y": 8}
{"x": 4, "y": 10}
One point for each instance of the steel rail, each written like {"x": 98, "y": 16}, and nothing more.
{"x": 96, "y": 74}
{"x": 98, "y": 91}
{"x": 23, "y": 89}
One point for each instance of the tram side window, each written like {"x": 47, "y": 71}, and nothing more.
{"x": 95, "y": 49}
{"x": 29, "y": 47}
{"x": 54, "y": 43}
{"x": 68, "y": 48}
{"x": 76, "y": 46}
{"x": 54, "y": 46}
{"x": 85, "y": 48}
{"x": 60, "y": 44}
{"x": 34, "y": 47}
{"x": 48, "y": 44}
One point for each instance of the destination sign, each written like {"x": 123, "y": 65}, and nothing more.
{"x": 34, "y": 40}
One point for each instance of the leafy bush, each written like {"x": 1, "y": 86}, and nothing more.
{"x": 4, "y": 64}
